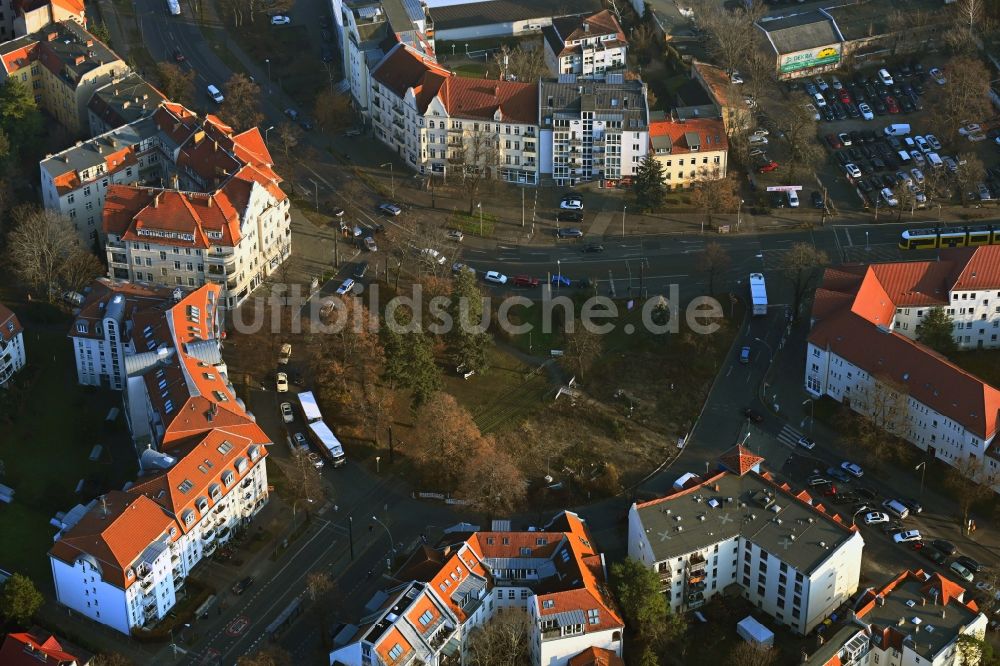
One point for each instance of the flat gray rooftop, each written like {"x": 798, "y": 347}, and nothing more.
{"x": 798, "y": 32}
{"x": 727, "y": 506}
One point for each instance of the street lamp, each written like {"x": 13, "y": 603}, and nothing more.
{"x": 392, "y": 544}
{"x": 480, "y": 207}
{"x": 739, "y": 214}
{"x": 558, "y": 274}
{"x": 265, "y": 135}
{"x": 392, "y": 179}
{"x": 868, "y": 247}
{"x": 268, "y": 62}
{"x": 812, "y": 413}
{"x": 923, "y": 469}
{"x": 769, "y": 349}
{"x": 624, "y": 208}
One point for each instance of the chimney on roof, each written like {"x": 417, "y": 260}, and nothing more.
{"x": 586, "y": 27}
{"x": 90, "y": 42}
{"x": 880, "y": 599}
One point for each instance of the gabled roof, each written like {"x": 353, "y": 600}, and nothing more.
{"x": 481, "y": 98}
{"x": 565, "y": 30}
{"x": 171, "y": 217}
{"x": 37, "y": 646}
{"x": 404, "y": 68}
{"x": 10, "y": 326}
{"x": 680, "y": 137}
{"x": 595, "y": 656}
{"x": 977, "y": 269}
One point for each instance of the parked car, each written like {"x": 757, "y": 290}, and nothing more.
{"x": 284, "y": 354}
{"x": 281, "y": 383}
{"x": 888, "y": 197}
{"x": 456, "y": 235}
{"x": 961, "y": 571}
{"x": 345, "y": 286}
{"x": 946, "y": 547}
{"x": 932, "y": 554}
{"x": 390, "y": 209}
{"x": 569, "y": 216}
{"x": 817, "y": 200}
{"x": 817, "y": 480}
{"x": 315, "y": 460}
{"x": 905, "y": 536}
{"x": 876, "y": 517}
{"x": 852, "y": 170}
{"x": 571, "y": 204}
{"x": 458, "y": 267}
{"x": 933, "y": 141}
{"x": 300, "y": 440}
{"x": 370, "y": 244}
{"x": 560, "y": 280}
{"x": 969, "y": 563}
{"x": 281, "y": 20}
{"x": 572, "y": 232}
{"x": 866, "y": 111}
{"x": 838, "y": 475}
{"x": 286, "y": 412}
{"x": 495, "y": 277}
{"x": 359, "y": 270}
{"x": 525, "y": 281}
{"x": 240, "y": 586}
{"x": 885, "y": 77}
{"x": 767, "y": 167}
{"x": 745, "y": 354}
{"x": 938, "y": 76}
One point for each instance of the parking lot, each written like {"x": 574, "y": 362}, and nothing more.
{"x": 864, "y": 168}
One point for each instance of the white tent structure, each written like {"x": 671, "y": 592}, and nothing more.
{"x": 754, "y": 632}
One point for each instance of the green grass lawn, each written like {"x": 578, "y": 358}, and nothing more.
{"x": 983, "y": 363}
{"x": 46, "y": 436}
{"x": 472, "y": 70}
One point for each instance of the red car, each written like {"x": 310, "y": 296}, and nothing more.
{"x": 834, "y": 142}
{"x": 830, "y": 490}
{"x": 178, "y": 56}
{"x": 891, "y": 105}
{"x": 845, "y": 96}
{"x": 525, "y": 281}
{"x": 769, "y": 166}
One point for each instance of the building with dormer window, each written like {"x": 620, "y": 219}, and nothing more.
{"x": 689, "y": 150}
{"x": 586, "y": 46}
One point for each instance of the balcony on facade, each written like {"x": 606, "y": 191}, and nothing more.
{"x": 149, "y": 611}
{"x": 114, "y": 245}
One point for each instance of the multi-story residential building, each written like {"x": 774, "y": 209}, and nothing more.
{"x": 122, "y": 559}
{"x": 554, "y": 574}
{"x": 689, "y": 150}
{"x": 64, "y": 64}
{"x": 727, "y": 98}
{"x": 38, "y": 647}
{"x": 75, "y": 182}
{"x": 793, "y": 559}
{"x": 12, "y": 356}
{"x": 369, "y": 29}
{"x": 23, "y": 17}
{"x": 860, "y": 351}
{"x": 592, "y": 130}
{"x": 915, "y": 620}
{"x": 587, "y": 46}
{"x": 121, "y": 102}
{"x": 102, "y": 329}
{"x": 440, "y": 122}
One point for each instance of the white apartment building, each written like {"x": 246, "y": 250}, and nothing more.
{"x": 915, "y": 620}
{"x": 554, "y": 574}
{"x": 586, "y": 46}
{"x": 122, "y": 559}
{"x": 860, "y": 352}
{"x": 102, "y": 329}
{"x": 439, "y": 122}
{"x": 12, "y": 357}
{"x": 592, "y": 130}
{"x": 737, "y": 527}
{"x": 689, "y": 150}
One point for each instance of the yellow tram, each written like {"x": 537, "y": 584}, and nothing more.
{"x": 933, "y": 238}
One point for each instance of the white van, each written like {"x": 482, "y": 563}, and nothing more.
{"x": 904, "y": 156}
{"x": 896, "y": 508}
{"x": 935, "y": 160}
{"x": 897, "y": 129}
{"x": 216, "y": 95}
{"x": 793, "y": 199}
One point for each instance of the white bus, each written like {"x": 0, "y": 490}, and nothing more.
{"x": 328, "y": 444}
{"x": 310, "y": 409}
{"x": 758, "y": 294}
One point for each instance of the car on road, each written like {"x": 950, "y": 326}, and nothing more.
{"x": 906, "y": 536}
{"x": 345, "y": 286}
{"x": 932, "y": 554}
{"x": 969, "y": 563}
{"x": 456, "y": 235}
{"x": 359, "y": 270}
{"x": 178, "y": 56}
{"x": 300, "y": 440}
{"x": 316, "y": 461}
{"x": 838, "y": 474}
{"x": 938, "y": 76}
{"x": 240, "y": 586}
{"x": 525, "y": 281}
{"x": 281, "y": 383}
{"x": 913, "y": 505}
{"x": 806, "y": 443}
{"x": 574, "y": 203}
{"x": 370, "y": 244}
{"x": 852, "y": 469}
{"x": 593, "y": 247}
{"x": 751, "y": 415}
{"x": 286, "y": 412}
{"x": 745, "y": 355}
{"x": 945, "y": 546}
{"x": 560, "y": 280}
{"x": 569, "y": 216}
{"x": 284, "y": 354}
{"x": 495, "y": 277}
{"x": 572, "y": 232}
{"x": 876, "y": 517}
{"x": 281, "y": 20}
{"x": 390, "y": 209}
{"x": 961, "y": 571}
{"x": 458, "y": 267}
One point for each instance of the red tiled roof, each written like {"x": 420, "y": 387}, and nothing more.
{"x": 138, "y": 297}
{"x": 115, "y": 533}
{"x": 914, "y": 283}
{"x": 141, "y": 214}
{"x": 596, "y": 656}
{"x": 481, "y": 98}
{"x": 978, "y": 269}
{"x": 740, "y": 460}
{"x": 601, "y": 23}
{"x": 7, "y": 317}
{"x": 20, "y": 58}
{"x": 711, "y": 134}
{"x": 404, "y": 68}
{"x": 31, "y": 648}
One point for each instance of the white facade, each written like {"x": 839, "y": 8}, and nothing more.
{"x": 976, "y": 315}
{"x": 12, "y": 355}
{"x": 586, "y": 46}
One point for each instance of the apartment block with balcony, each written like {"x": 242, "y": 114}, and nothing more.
{"x": 861, "y": 351}
{"x": 916, "y": 619}
{"x": 689, "y": 150}
{"x": 64, "y": 64}
{"x": 466, "y": 580}
{"x": 587, "y": 46}
{"x": 12, "y": 356}
{"x": 592, "y": 130}
{"x": 122, "y": 559}
{"x": 736, "y": 528}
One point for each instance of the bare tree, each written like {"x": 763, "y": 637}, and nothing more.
{"x": 305, "y": 485}
{"x": 476, "y": 160}
{"x": 882, "y": 420}
{"x": 799, "y": 126}
{"x": 583, "y": 348}
{"x": 732, "y": 31}
{"x": 969, "y": 20}
{"x": 318, "y": 584}
{"x": 39, "y": 247}
{"x": 80, "y": 269}
{"x": 521, "y": 64}
{"x": 971, "y": 481}
{"x": 715, "y": 194}
{"x": 714, "y": 260}
{"x": 332, "y": 111}
{"x": 269, "y": 656}
{"x": 241, "y": 105}
{"x": 751, "y": 654}
{"x": 966, "y": 96}
{"x": 175, "y": 83}
{"x": 970, "y": 172}
{"x": 801, "y": 266}
{"x": 503, "y": 641}
{"x": 289, "y": 134}
{"x": 493, "y": 482}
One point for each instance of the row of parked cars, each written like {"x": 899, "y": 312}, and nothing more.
{"x": 882, "y": 93}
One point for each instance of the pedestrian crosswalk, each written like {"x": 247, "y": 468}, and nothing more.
{"x": 789, "y": 436}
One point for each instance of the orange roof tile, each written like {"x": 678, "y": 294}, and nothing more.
{"x": 20, "y": 58}
{"x": 975, "y": 269}
{"x": 481, "y": 98}
{"x": 740, "y": 460}
{"x": 914, "y": 283}
{"x": 31, "y": 648}
{"x": 10, "y": 325}
{"x": 391, "y": 639}
{"x": 403, "y": 68}
{"x": 596, "y": 656}
{"x": 711, "y": 134}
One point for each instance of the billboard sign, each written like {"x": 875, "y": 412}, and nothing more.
{"x": 824, "y": 55}
{"x": 784, "y": 188}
